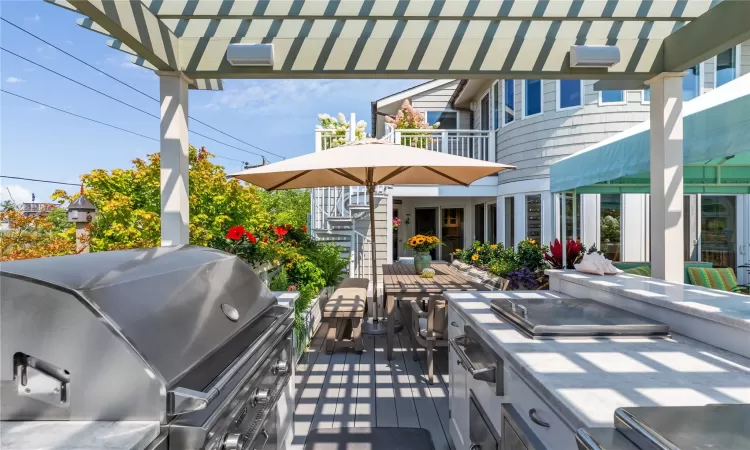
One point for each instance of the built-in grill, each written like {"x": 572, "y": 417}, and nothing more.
{"x": 186, "y": 336}
{"x": 544, "y": 318}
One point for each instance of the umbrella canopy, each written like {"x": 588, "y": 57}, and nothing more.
{"x": 370, "y": 162}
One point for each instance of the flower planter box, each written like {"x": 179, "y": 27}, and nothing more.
{"x": 481, "y": 276}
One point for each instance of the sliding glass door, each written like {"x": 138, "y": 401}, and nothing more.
{"x": 718, "y": 230}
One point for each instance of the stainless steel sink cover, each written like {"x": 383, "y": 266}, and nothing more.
{"x": 574, "y": 317}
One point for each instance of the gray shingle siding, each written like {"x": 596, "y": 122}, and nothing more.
{"x": 436, "y": 99}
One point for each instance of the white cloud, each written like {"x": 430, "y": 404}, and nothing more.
{"x": 34, "y": 18}
{"x": 18, "y": 193}
{"x": 264, "y": 96}
{"x": 14, "y": 80}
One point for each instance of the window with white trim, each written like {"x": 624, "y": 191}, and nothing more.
{"x": 726, "y": 67}
{"x": 532, "y": 98}
{"x": 509, "y": 101}
{"x": 448, "y": 120}
{"x": 646, "y": 96}
{"x": 612, "y": 97}
{"x": 495, "y": 105}
{"x": 569, "y": 94}
{"x": 691, "y": 83}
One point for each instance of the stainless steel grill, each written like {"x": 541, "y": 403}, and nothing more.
{"x": 187, "y": 336}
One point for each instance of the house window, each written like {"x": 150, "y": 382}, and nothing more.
{"x": 509, "y": 102}
{"x": 569, "y": 94}
{"x": 479, "y": 222}
{"x": 492, "y": 223}
{"x": 496, "y": 105}
{"x": 448, "y": 119}
{"x": 510, "y": 220}
{"x": 726, "y": 66}
{"x": 691, "y": 83}
{"x": 646, "y": 96}
{"x": 532, "y": 100}
{"x": 484, "y": 112}
{"x": 609, "y": 226}
{"x": 534, "y": 218}
{"x": 612, "y": 97}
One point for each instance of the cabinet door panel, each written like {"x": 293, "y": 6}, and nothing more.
{"x": 458, "y": 388}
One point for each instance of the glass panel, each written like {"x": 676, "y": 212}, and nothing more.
{"x": 534, "y": 218}
{"x": 484, "y": 119}
{"x": 510, "y": 101}
{"x": 453, "y": 231}
{"x": 479, "y": 222}
{"x": 533, "y": 101}
{"x": 613, "y": 96}
{"x": 570, "y": 93}
{"x": 448, "y": 119}
{"x": 425, "y": 222}
{"x": 610, "y": 236}
{"x": 510, "y": 221}
{"x": 690, "y": 227}
{"x": 647, "y": 95}
{"x": 492, "y": 223}
{"x": 496, "y": 105}
{"x": 719, "y": 230}
{"x": 725, "y": 67}
{"x": 690, "y": 83}
{"x": 569, "y": 217}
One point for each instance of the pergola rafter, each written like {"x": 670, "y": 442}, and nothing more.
{"x": 590, "y": 10}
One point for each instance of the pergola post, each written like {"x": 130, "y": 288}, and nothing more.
{"x": 667, "y": 177}
{"x": 175, "y": 209}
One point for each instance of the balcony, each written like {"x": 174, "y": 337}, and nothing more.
{"x": 476, "y": 144}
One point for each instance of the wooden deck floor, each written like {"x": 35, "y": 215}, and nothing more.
{"x": 347, "y": 389}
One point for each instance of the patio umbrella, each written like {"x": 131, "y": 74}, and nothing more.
{"x": 370, "y": 162}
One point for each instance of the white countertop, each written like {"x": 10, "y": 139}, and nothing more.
{"x": 585, "y": 380}
{"x": 77, "y": 435}
{"x": 286, "y": 298}
{"x": 723, "y": 307}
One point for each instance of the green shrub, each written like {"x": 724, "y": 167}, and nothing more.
{"x": 327, "y": 257}
{"x": 280, "y": 282}
{"x": 530, "y": 256}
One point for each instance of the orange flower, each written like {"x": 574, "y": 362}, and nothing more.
{"x": 474, "y": 257}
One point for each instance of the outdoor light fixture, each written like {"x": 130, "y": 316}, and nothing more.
{"x": 593, "y": 56}
{"x": 256, "y": 55}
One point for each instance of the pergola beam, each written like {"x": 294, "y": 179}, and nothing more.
{"x": 134, "y": 25}
{"x": 87, "y": 23}
{"x": 589, "y": 10}
{"x": 62, "y": 4}
{"x": 722, "y": 27}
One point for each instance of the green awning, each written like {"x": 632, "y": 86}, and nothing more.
{"x": 716, "y": 151}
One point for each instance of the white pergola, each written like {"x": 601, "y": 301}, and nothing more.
{"x": 185, "y": 42}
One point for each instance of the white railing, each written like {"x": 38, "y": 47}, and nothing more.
{"x": 476, "y": 144}
{"x": 390, "y": 132}
{"x": 360, "y": 266}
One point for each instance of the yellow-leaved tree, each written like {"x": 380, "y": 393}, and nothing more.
{"x": 128, "y": 203}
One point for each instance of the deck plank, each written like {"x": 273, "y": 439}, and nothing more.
{"x": 348, "y": 389}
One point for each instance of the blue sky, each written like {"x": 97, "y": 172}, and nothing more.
{"x": 35, "y": 142}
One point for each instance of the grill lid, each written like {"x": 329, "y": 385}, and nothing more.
{"x": 574, "y": 317}
{"x": 176, "y": 306}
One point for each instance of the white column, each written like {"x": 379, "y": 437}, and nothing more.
{"x": 175, "y": 210}
{"x": 666, "y": 177}
{"x": 519, "y": 209}
{"x": 589, "y": 219}
{"x": 500, "y": 220}
{"x": 389, "y": 229}
{"x": 633, "y": 227}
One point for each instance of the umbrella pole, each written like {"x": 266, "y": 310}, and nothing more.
{"x": 376, "y": 326}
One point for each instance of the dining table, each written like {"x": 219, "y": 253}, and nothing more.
{"x": 401, "y": 281}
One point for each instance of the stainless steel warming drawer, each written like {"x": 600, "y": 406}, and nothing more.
{"x": 186, "y": 336}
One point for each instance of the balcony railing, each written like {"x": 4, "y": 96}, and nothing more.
{"x": 476, "y": 144}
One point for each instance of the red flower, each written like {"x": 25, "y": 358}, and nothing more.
{"x": 251, "y": 237}
{"x": 304, "y": 228}
{"x": 280, "y": 231}
{"x": 235, "y": 233}
{"x": 265, "y": 239}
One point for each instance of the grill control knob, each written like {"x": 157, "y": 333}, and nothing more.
{"x": 261, "y": 396}
{"x": 280, "y": 368}
{"x": 233, "y": 441}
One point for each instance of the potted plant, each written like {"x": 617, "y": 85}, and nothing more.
{"x": 422, "y": 246}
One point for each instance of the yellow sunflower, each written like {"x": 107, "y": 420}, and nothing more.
{"x": 494, "y": 246}
{"x": 474, "y": 257}
{"x": 532, "y": 241}
{"x": 420, "y": 240}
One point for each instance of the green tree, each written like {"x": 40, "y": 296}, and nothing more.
{"x": 287, "y": 207}
{"x": 128, "y": 203}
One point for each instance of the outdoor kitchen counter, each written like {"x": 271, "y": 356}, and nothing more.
{"x": 585, "y": 380}
{"x": 716, "y": 317}
{"x": 83, "y": 435}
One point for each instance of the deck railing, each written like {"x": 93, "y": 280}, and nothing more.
{"x": 476, "y": 144}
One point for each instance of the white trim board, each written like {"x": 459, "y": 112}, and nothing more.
{"x": 411, "y": 92}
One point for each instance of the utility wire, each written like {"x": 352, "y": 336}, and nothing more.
{"x": 125, "y": 103}
{"x": 102, "y": 123}
{"x": 138, "y": 90}
{"x": 78, "y": 82}
{"x": 40, "y": 181}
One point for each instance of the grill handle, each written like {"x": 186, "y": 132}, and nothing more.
{"x": 484, "y": 374}
{"x": 185, "y": 400}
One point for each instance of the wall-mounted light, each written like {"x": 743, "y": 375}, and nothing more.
{"x": 594, "y": 56}
{"x": 254, "y": 55}
{"x": 408, "y": 219}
